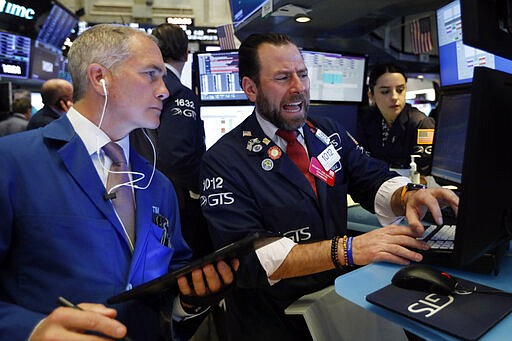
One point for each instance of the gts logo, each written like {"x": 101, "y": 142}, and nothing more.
{"x": 298, "y": 235}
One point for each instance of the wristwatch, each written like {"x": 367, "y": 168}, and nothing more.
{"x": 410, "y": 187}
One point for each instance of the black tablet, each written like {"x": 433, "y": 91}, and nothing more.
{"x": 169, "y": 280}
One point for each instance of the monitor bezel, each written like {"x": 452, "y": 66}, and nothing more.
{"x": 485, "y": 208}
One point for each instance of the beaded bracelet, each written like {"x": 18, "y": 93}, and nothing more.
{"x": 349, "y": 252}
{"x": 345, "y": 256}
{"x": 334, "y": 251}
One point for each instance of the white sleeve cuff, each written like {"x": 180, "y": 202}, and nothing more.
{"x": 383, "y": 208}
{"x": 179, "y": 314}
{"x": 271, "y": 256}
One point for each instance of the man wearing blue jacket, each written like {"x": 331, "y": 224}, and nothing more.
{"x": 251, "y": 183}
{"x": 60, "y": 234}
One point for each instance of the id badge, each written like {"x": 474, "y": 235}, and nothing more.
{"x": 316, "y": 168}
{"x": 329, "y": 157}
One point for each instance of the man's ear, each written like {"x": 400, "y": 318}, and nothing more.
{"x": 250, "y": 88}
{"x": 96, "y": 73}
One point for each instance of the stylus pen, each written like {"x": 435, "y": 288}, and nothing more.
{"x": 65, "y": 303}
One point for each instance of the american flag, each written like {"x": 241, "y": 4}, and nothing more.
{"x": 226, "y": 37}
{"x": 421, "y": 36}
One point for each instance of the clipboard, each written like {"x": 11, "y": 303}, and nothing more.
{"x": 169, "y": 280}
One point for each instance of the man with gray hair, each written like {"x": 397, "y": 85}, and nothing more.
{"x": 68, "y": 236}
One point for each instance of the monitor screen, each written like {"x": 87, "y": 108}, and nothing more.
{"x": 45, "y": 63}
{"x": 37, "y": 101}
{"x": 456, "y": 59}
{"x": 335, "y": 77}
{"x": 216, "y": 76}
{"x": 243, "y": 9}
{"x": 186, "y": 72}
{"x": 14, "y": 55}
{"x": 485, "y": 207}
{"x": 218, "y": 120}
{"x": 450, "y": 136}
{"x": 57, "y": 26}
{"x": 45, "y": 20}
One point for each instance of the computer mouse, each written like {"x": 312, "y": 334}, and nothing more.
{"x": 424, "y": 278}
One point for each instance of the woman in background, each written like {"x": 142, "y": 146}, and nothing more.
{"x": 390, "y": 129}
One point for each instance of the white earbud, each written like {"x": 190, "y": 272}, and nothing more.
{"x": 103, "y": 84}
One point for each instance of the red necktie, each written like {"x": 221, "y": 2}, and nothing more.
{"x": 123, "y": 201}
{"x": 297, "y": 153}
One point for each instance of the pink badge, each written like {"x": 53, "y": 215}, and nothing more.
{"x": 318, "y": 170}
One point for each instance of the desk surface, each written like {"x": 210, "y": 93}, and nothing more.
{"x": 355, "y": 285}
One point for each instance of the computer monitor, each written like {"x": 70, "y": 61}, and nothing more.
{"x": 218, "y": 120}
{"x": 46, "y": 20}
{"x": 335, "y": 77}
{"x": 241, "y": 10}
{"x": 484, "y": 222}
{"x": 450, "y": 136}
{"x": 486, "y": 204}
{"x": 216, "y": 78}
{"x": 57, "y": 26}
{"x": 14, "y": 55}
{"x": 37, "y": 101}
{"x": 45, "y": 62}
{"x": 456, "y": 59}
{"x": 491, "y": 25}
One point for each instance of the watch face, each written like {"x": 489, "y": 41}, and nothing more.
{"x": 413, "y": 186}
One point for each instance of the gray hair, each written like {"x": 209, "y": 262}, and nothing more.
{"x": 104, "y": 44}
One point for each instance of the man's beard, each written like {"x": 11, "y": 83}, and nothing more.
{"x": 274, "y": 116}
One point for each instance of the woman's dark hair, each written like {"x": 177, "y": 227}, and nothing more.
{"x": 172, "y": 41}
{"x": 248, "y": 63}
{"x": 380, "y": 69}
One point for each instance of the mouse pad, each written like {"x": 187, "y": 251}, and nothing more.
{"x": 464, "y": 315}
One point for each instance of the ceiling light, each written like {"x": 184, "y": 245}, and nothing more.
{"x": 302, "y": 18}
{"x": 300, "y": 14}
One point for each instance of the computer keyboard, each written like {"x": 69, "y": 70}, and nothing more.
{"x": 439, "y": 236}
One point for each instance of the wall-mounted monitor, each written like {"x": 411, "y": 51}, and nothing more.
{"x": 57, "y": 26}
{"x": 44, "y": 20}
{"x": 456, "y": 59}
{"x": 491, "y": 25}
{"x": 45, "y": 62}
{"x": 243, "y": 9}
{"x": 335, "y": 76}
{"x": 14, "y": 55}
{"x": 216, "y": 78}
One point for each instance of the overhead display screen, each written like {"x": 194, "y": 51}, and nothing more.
{"x": 14, "y": 55}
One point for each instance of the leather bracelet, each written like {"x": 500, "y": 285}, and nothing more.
{"x": 402, "y": 196}
{"x": 334, "y": 251}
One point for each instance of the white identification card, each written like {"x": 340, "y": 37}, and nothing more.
{"x": 329, "y": 157}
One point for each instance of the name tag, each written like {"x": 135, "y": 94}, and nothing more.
{"x": 328, "y": 157}
{"x": 317, "y": 170}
